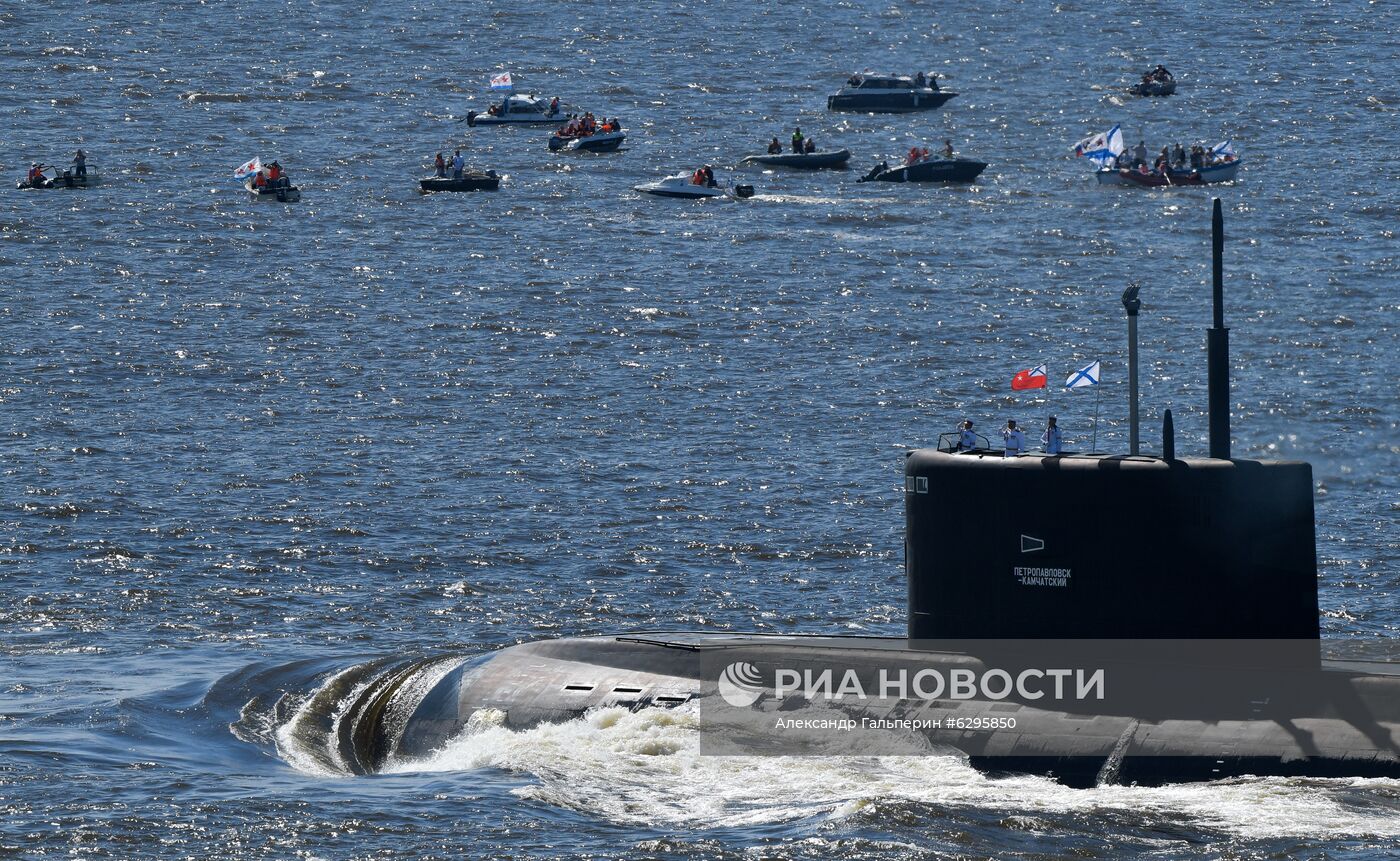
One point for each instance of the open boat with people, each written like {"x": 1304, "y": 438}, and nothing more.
{"x": 888, "y": 94}
{"x": 685, "y": 185}
{"x": 1225, "y": 171}
{"x": 471, "y": 180}
{"x": 804, "y": 161}
{"x": 1158, "y": 82}
{"x": 599, "y": 141}
{"x": 927, "y": 170}
{"x": 67, "y": 179}
{"x": 272, "y": 193}
{"x": 518, "y": 108}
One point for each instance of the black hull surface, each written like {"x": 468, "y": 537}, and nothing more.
{"x": 803, "y": 161}
{"x": 887, "y": 103}
{"x": 1347, "y": 724}
{"x": 1154, "y": 88}
{"x": 471, "y": 182}
{"x": 936, "y": 170}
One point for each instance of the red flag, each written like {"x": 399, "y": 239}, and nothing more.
{"x": 1031, "y": 378}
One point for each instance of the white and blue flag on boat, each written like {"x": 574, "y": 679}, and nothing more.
{"x": 248, "y": 168}
{"x": 1084, "y": 377}
{"x": 1223, "y": 149}
{"x": 1101, "y": 148}
{"x": 501, "y": 81}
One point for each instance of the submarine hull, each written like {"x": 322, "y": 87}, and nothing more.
{"x": 1159, "y": 723}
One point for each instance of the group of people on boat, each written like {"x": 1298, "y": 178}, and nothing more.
{"x": 271, "y": 176}
{"x": 1159, "y": 75}
{"x": 36, "y": 179}
{"x": 918, "y": 153}
{"x": 457, "y": 162}
{"x": 1174, "y": 158}
{"x": 801, "y": 145}
{"x": 586, "y": 125}
{"x": 704, "y": 176}
{"x": 921, "y": 80}
{"x": 1013, "y": 438}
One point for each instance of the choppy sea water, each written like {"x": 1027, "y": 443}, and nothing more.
{"x": 247, "y": 443}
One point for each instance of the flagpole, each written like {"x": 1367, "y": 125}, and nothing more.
{"x": 1095, "y": 446}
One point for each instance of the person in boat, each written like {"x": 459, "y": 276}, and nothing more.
{"x": 554, "y": 105}
{"x": 80, "y": 164}
{"x": 1140, "y": 154}
{"x": 698, "y": 178}
{"x": 1162, "y": 162}
{"x": 493, "y": 111}
{"x": 921, "y": 80}
{"x": 967, "y": 439}
{"x": 774, "y": 148}
{"x": 797, "y": 140}
{"x": 709, "y": 177}
{"x": 260, "y": 181}
{"x": 912, "y": 157}
{"x": 458, "y": 163}
{"x": 854, "y": 81}
{"x": 947, "y": 149}
{"x": 274, "y": 174}
{"x": 1123, "y": 161}
{"x": 616, "y": 124}
{"x": 440, "y": 166}
{"x": 1197, "y": 159}
{"x": 810, "y": 146}
{"x": 1179, "y": 157}
{"x": 876, "y": 171}
{"x": 35, "y": 177}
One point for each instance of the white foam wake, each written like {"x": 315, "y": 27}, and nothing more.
{"x": 646, "y": 767}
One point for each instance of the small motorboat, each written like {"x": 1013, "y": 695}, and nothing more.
{"x": 273, "y": 194}
{"x": 805, "y": 161}
{"x": 888, "y": 94}
{"x": 682, "y": 185}
{"x": 67, "y": 179}
{"x": 596, "y": 142}
{"x": 928, "y": 170}
{"x": 1158, "y": 82}
{"x": 1208, "y": 175}
{"x": 517, "y": 109}
{"x": 472, "y": 180}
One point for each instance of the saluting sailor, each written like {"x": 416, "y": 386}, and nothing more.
{"x": 1014, "y": 440}
{"x": 1051, "y": 437}
{"x": 967, "y": 440}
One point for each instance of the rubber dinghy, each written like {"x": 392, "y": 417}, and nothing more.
{"x": 472, "y": 180}
{"x": 681, "y": 185}
{"x": 804, "y": 161}
{"x": 928, "y": 170}
{"x": 278, "y": 194}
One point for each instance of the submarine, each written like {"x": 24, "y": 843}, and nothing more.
{"x": 1130, "y": 618}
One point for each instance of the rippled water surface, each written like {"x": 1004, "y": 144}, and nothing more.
{"x": 247, "y": 444}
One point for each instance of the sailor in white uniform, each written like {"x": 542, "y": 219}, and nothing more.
{"x": 1014, "y": 440}
{"x": 1051, "y": 438}
{"x": 967, "y": 440}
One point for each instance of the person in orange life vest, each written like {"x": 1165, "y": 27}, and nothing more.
{"x": 698, "y": 178}
{"x": 36, "y": 175}
{"x": 260, "y": 180}
{"x": 554, "y": 105}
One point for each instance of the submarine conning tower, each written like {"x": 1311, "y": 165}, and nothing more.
{"x": 1100, "y": 546}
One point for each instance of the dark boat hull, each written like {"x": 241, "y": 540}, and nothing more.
{"x": 609, "y": 142}
{"x": 469, "y": 182}
{"x": 1154, "y": 88}
{"x": 934, "y": 170}
{"x": 278, "y": 194}
{"x": 888, "y": 103}
{"x": 803, "y": 161}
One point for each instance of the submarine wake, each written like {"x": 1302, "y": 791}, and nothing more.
{"x": 646, "y": 767}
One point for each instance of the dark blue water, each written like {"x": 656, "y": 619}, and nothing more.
{"x": 246, "y": 445}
